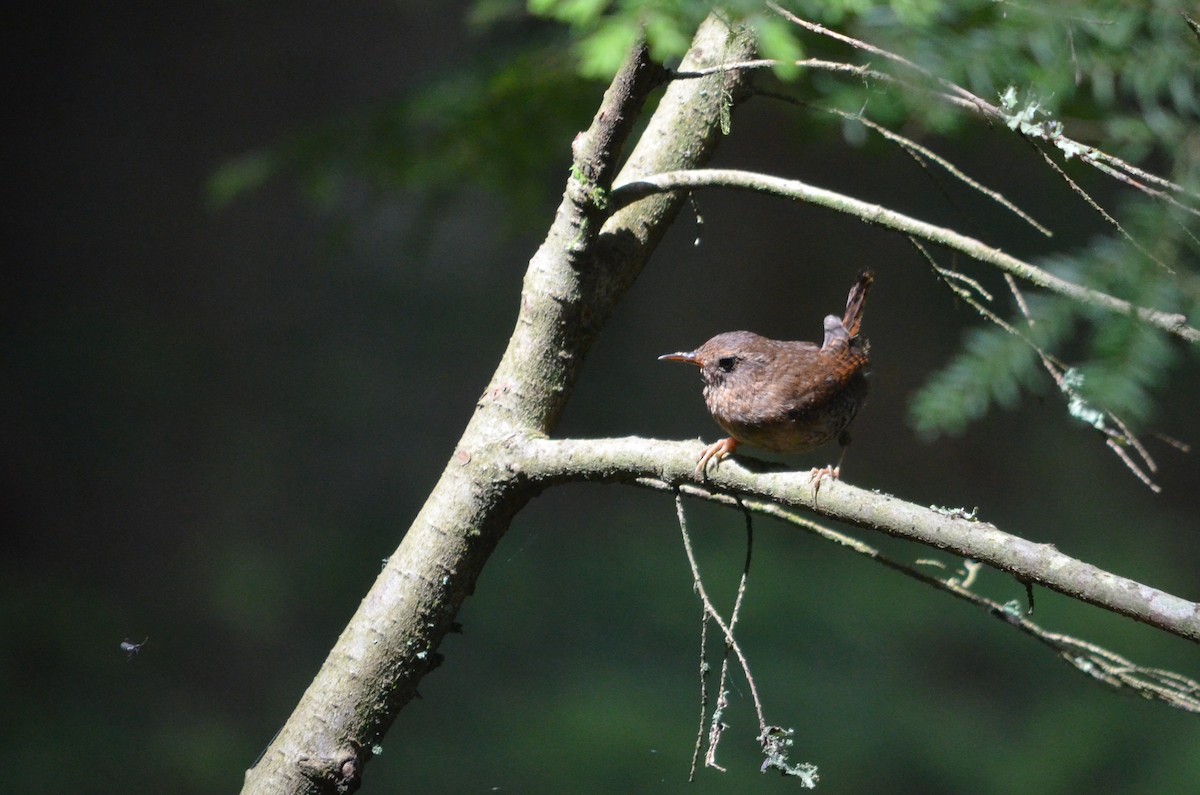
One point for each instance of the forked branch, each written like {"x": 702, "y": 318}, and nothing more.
{"x": 629, "y": 460}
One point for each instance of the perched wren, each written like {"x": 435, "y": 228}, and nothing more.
{"x": 786, "y": 397}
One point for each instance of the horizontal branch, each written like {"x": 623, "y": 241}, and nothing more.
{"x": 796, "y": 190}
{"x": 1096, "y": 662}
{"x": 549, "y": 461}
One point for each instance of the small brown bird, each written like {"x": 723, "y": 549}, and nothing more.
{"x": 786, "y": 397}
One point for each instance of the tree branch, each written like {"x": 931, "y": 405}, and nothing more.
{"x": 548, "y": 461}
{"x": 1098, "y": 664}
{"x": 589, "y": 257}
{"x": 679, "y": 181}
{"x": 592, "y": 253}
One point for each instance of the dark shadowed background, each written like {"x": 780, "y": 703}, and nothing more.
{"x": 216, "y": 423}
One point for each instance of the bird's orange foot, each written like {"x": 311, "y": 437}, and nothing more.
{"x": 718, "y": 450}
{"x": 818, "y": 475}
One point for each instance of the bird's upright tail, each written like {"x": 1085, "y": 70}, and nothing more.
{"x": 856, "y": 301}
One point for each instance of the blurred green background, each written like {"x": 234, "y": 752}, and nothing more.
{"x": 217, "y": 422}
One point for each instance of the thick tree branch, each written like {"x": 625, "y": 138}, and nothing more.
{"x": 548, "y": 461}
{"x": 679, "y": 181}
{"x": 573, "y": 282}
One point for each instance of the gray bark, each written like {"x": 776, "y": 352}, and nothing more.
{"x": 588, "y": 260}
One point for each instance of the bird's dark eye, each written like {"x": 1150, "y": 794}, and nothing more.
{"x": 727, "y": 363}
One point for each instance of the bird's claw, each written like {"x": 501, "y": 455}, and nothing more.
{"x": 819, "y": 474}
{"x": 718, "y": 451}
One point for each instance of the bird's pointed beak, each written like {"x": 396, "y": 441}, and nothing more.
{"x": 690, "y": 358}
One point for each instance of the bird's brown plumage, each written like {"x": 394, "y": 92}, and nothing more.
{"x": 783, "y": 396}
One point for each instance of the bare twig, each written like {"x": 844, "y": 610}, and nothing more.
{"x": 735, "y": 66}
{"x": 1171, "y": 441}
{"x": 1100, "y": 210}
{"x": 923, "y": 151}
{"x": 722, "y": 685}
{"x": 774, "y": 740}
{"x": 1019, "y": 297}
{"x": 726, "y": 629}
{"x": 1191, "y": 23}
{"x": 957, "y": 90}
{"x": 1118, "y": 438}
{"x": 946, "y": 273}
{"x": 703, "y": 693}
{"x": 1122, "y": 176}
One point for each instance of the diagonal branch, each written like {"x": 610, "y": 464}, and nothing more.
{"x": 590, "y": 256}
{"x": 627, "y": 460}
{"x": 954, "y": 89}
{"x": 958, "y": 95}
{"x": 1115, "y": 439}
{"x": 674, "y": 181}
{"x": 920, "y": 151}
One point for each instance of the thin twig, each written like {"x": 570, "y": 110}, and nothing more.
{"x": 1191, "y": 23}
{"x": 1153, "y": 193}
{"x": 629, "y": 192}
{"x": 716, "y": 729}
{"x": 1126, "y": 436}
{"x": 758, "y": 63}
{"x": 722, "y": 686}
{"x": 961, "y": 92}
{"x": 1075, "y": 186}
{"x": 1074, "y": 57}
{"x": 1116, "y": 440}
{"x": 1132, "y": 465}
{"x": 703, "y": 694}
{"x": 909, "y": 144}
{"x": 1116, "y": 162}
{"x": 968, "y": 99}
{"x": 775, "y": 741}
{"x": 946, "y": 273}
{"x": 1019, "y": 297}
{"x": 1171, "y": 441}
{"x": 912, "y": 151}
{"x": 709, "y": 608}
{"x": 837, "y": 67}
{"x": 741, "y": 591}
{"x": 863, "y": 71}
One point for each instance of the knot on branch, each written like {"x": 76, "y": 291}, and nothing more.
{"x": 340, "y": 773}
{"x": 590, "y": 196}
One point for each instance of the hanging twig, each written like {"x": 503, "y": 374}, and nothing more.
{"x": 917, "y": 149}
{"x": 1116, "y": 439}
{"x": 1098, "y": 663}
{"x": 1073, "y": 185}
{"x": 775, "y": 741}
{"x": 711, "y": 610}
